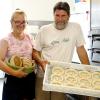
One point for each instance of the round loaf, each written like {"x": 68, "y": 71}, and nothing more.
{"x": 16, "y": 61}
{"x": 26, "y": 62}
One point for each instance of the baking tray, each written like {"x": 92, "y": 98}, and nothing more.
{"x": 47, "y": 86}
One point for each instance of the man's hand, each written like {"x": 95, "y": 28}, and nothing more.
{"x": 43, "y": 64}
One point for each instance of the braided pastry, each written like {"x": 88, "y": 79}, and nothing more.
{"x": 84, "y": 74}
{"x": 96, "y": 75}
{"x": 96, "y": 84}
{"x": 57, "y": 70}
{"x": 56, "y": 79}
{"x": 84, "y": 83}
{"x": 71, "y": 72}
{"x": 69, "y": 80}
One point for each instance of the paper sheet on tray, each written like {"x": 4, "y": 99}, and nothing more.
{"x": 47, "y": 86}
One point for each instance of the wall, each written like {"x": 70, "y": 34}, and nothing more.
{"x": 38, "y": 9}
{"x": 95, "y": 14}
{"x": 5, "y": 12}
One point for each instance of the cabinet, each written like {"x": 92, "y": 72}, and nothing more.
{"x": 95, "y": 31}
{"x": 95, "y": 45}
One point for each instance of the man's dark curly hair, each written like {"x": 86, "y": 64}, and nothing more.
{"x": 62, "y": 6}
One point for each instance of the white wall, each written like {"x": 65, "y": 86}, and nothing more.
{"x": 95, "y": 11}
{"x": 38, "y": 9}
{"x": 5, "y": 12}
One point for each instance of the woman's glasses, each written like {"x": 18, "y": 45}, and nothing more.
{"x": 17, "y": 22}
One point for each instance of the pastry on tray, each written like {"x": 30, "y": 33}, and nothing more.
{"x": 84, "y": 83}
{"x": 58, "y": 70}
{"x": 84, "y": 74}
{"x": 96, "y": 75}
{"x": 71, "y": 72}
{"x": 96, "y": 84}
{"x": 70, "y": 81}
{"x": 56, "y": 79}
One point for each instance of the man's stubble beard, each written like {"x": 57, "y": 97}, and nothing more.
{"x": 60, "y": 26}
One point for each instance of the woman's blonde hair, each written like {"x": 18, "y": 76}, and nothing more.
{"x": 17, "y": 11}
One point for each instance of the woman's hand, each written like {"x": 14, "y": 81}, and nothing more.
{"x": 20, "y": 73}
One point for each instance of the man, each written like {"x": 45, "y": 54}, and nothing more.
{"x": 57, "y": 41}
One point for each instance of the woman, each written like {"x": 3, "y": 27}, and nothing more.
{"x": 18, "y": 85}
